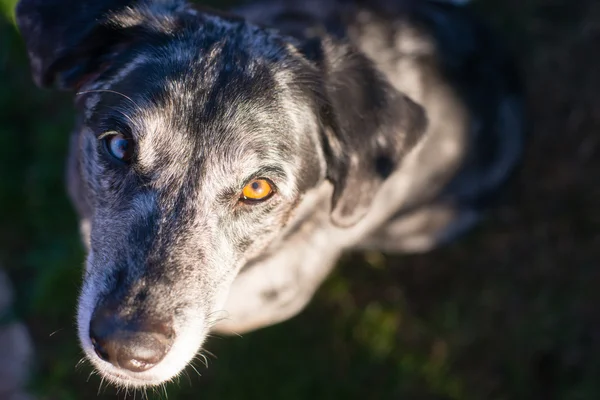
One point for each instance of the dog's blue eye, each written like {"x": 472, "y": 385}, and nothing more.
{"x": 118, "y": 146}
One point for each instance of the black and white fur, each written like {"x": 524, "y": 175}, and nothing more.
{"x": 383, "y": 124}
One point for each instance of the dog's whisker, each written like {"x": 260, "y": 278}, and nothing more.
{"x": 55, "y": 332}
{"x": 90, "y": 376}
{"x": 80, "y": 363}
{"x": 205, "y": 359}
{"x": 214, "y": 313}
{"x": 124, "y": 114}
{"x": 187, "y": 375}
{"x": 100, "y": 386}
{"x": 202, "y": 358}
{"x": 177, "y": 379}
{"x": 108, "y": 91}
{"x": 209, "y": 353}
{"x": 194, "y": 368}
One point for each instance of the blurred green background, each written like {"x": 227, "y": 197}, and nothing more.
{"x": 512, "y": 311}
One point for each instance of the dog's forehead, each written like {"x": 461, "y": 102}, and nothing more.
{"x": 213, "y": 111}
{"x": 220, "y": 71}
{"x": 219, "y": 97}
{"x": 211, "y": 47}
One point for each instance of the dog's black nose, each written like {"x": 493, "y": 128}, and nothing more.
{"x": 136, "y": 346}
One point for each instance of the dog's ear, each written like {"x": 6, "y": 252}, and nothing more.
{"x": 369, "y": 127}
{"x": 69, "y": 41}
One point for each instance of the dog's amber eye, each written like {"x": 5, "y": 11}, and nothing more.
{"x": 257, "y": 189}
{"x": 118, "y": 146}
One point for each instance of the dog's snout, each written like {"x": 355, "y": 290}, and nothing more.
{"x": 136, "y": 347}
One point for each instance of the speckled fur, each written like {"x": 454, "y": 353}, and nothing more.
{"x": 384, "y": 126}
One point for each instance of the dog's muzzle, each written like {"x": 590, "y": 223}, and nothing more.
{"x": 134, "y": 345}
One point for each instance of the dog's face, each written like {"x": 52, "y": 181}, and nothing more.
{"x": 199, "y": 135}
{"x": 191, "y": 169}
{"x": 194, "y": 153}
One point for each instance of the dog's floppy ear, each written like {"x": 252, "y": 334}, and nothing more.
{"x": 369, "y": 127}
{"x": 69, "y": 40}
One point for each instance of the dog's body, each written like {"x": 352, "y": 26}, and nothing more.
{"x": 385, "y": 125}
{"x": 440, "y": 192}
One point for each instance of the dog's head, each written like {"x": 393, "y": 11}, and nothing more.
{"x": 199, "y": 135}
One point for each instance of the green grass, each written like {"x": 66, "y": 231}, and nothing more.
{"x": 509, "y": 312}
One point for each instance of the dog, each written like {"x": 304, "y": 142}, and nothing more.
{"x": 222, "y": 161}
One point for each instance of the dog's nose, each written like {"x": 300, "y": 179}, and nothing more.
{"x": 136, "y": 347}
